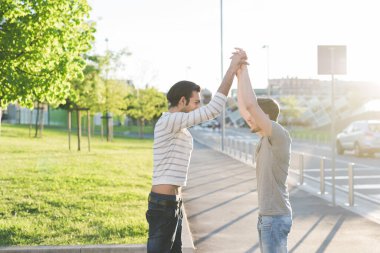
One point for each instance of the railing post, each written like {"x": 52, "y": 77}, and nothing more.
{"x": 228, "y": 145}
{"x": 253, "y": 153}
{"x": 351, "y": 184}
{"x": 241, "y": 148}
{"x": 246, "y": 150}
{"x": 235, "y": 147}
{"x": 301, "y": 168}
{"x": 322, "y": 176}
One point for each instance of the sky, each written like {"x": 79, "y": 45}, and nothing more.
{"x": 173, "y": 40}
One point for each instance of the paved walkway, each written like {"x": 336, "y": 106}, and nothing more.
{"x": 221, "y": 206}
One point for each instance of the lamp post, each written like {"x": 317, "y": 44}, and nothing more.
{"x": 221, "y": 75}
{"x": 106, "y": 85}
{"x": 268, "y": 87}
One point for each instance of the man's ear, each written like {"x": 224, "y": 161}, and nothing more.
{"x": 182, "y": 101}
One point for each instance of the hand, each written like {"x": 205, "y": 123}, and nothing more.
{"x": 238, "y": 58}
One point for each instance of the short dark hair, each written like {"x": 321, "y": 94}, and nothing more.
{"x": 181, "y": 89}
{"x": 270, "y": 107}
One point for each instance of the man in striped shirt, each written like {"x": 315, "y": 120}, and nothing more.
{"x": 172, "y": 149}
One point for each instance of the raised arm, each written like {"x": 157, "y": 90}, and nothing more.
{"x": 180, "y": 120}
{"x": 250, "y": 104}
{"x": 238, "y": 58}
{"x": 241, "y": 105}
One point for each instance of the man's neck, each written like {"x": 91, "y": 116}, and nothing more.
{"x": 174, "y": 109}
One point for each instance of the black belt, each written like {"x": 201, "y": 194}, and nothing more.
{"x": 163, "y": 202}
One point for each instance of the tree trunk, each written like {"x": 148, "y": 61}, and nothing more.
{"x": 88, "y": 130}
{"x": 83, "y": 126}
{"x": 108, "y": 126}
{"x": 101, "y": 127}
{"x": 30, "y": 123}
{"x": 69, "y": 127}
{"x": 41, "y": 121}
{"x": 111, "y": 128}
{"x": 93, "y": 126}
{"x": 142, "y": 124}
{"x": 37, "y": 117}
{"x": 79, "y": 128}
{"x": 1, "y": 115}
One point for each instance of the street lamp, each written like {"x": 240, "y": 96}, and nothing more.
{"x": 266, "y": 47}
{"x": 106, "y": 86}
{"x": 221, "y": 74}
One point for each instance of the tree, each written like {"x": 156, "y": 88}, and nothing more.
{"x": 290, "y": 109}
{"x": 145, "y": 104}
{"x": 85, "y": 95}
{"x": 112, "y": 62}
{"x": 41, "y": 48}
{"x": 89, "y": 92}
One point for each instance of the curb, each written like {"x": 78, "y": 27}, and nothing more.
{"x": 121, "y": 248}
{"x": 187, "y": 238}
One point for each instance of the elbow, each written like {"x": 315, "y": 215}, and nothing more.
{"x": 250, "y": 106}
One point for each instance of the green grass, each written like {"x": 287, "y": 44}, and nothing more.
{"x": 52, "y": 196}
{"x": 311, "y": 135}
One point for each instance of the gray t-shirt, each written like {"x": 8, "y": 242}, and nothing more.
{"x": 272, "y": 165}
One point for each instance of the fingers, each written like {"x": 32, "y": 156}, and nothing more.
{"x": 239, "y": 51}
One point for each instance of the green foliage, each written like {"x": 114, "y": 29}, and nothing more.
{"x": 112, "y": 61}
{"x": 115, "y": 90}
{"x": 290, "y": 109}
{"x": 96, "y": 90}
{"x": 41, "y": 48}
{"x": 90, "y": 91}
{"x": 115, "y": 94}
{"x": 145, "y": 104}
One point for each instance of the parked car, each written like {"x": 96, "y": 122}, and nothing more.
{"x": 211, "y": 124}
{"x": 360, "y": 136}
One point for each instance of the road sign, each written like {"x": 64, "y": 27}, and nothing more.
{"x": 331, "y": 60}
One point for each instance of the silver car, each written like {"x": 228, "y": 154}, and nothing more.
{"x": 360, "y": 136}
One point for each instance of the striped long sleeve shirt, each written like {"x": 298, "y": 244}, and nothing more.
{"x": 173, "y": 143}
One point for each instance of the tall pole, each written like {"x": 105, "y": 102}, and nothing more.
{"x": 267, "y": 51}
{"x": 221, "y": 74}
{"x": 332, "y": 124}
{"x": 106, "y": 84}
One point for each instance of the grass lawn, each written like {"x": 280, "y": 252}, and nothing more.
{"x": 52, "y": 196}
{"x": 311, "y": 135}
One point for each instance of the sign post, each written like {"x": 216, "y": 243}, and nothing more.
{"x": 332, "y": 61}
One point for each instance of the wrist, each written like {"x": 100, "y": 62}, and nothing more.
{"x": 232, "y": 70}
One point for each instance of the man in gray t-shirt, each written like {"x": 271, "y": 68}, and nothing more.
{"x": 272, "y": 165}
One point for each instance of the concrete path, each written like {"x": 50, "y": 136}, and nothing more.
{"x": 221, "y": 205}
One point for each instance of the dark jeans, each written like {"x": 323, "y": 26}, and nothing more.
{"x": 164, "y": 216}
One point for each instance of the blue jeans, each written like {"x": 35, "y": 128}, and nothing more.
{"x": 165, "y": 224}
{"x": 273, "y": 233}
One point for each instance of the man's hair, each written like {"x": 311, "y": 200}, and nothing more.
{"x": 181, "y": 89}
{"x": 270, "y": 107}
